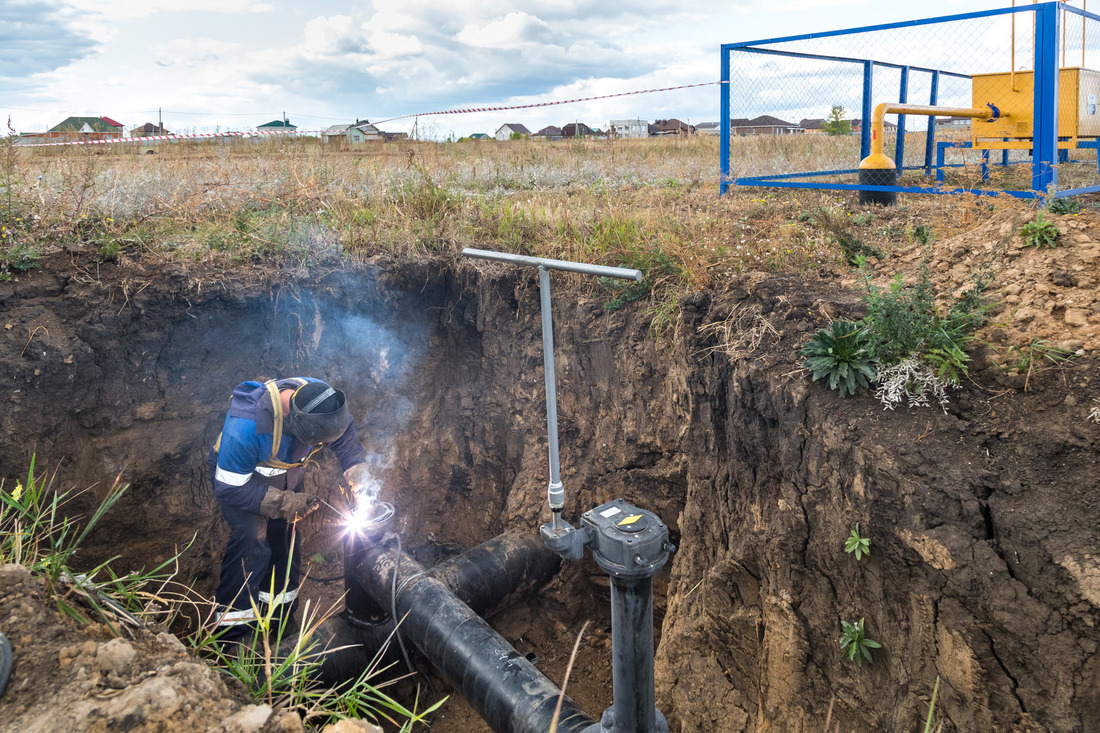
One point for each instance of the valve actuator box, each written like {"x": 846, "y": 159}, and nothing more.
{"x": 627, "y": 541}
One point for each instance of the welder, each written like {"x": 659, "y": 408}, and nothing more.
{"x": 271, "y": 432}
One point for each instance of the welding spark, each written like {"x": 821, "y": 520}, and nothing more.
{"x": 359, "y": 517}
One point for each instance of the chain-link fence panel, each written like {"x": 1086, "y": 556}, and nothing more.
{"x": 1001, "y": 101}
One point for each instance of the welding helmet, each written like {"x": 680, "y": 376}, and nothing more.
{"x": 318, "y": 413}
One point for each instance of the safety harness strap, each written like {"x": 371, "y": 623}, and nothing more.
{"x": 277, "y": 429}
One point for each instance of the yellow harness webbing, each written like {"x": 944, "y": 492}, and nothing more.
{"x": 277, "y": 429}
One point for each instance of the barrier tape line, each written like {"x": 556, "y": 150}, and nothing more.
{"x": 458, "y": 111}
{"x": 467, "y": 110}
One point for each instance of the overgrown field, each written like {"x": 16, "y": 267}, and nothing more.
{"x": 650, "y": 204}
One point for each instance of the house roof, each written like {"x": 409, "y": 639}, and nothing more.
{"x": 365, "y": 126}
{"x": 573, "y": 129}
{"x": 708, "y": 126}
{"x": 513, "y": 127}
{"x": 761, "y": 121}
{"x": 111, "y": 122}
{"x": 548, "y": 131}
{"x": 149, "y": 129}
{"x": 279, "y": 124}
{"x": 76, "y": 124}
{"x": 671, "y": 124}
{"x": 478, "y": 136}
{"x": 336, "y": 129}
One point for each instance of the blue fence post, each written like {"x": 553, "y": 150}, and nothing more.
{"x": 868, "y": 109}
{"x": 939, "y": 161}
{"x": 985, "y": 164}
{"x": 899, "y": 146}
{"x": 930, "y": 139}
{"x": 1044, "y": 173}
{"x": 724, "y": 149}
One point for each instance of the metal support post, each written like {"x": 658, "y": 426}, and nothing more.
{"x": 724, "y": 106}
{"x": 930, "y": 138}
{"x": 1044, "y": 171}
{"x": 868, "y": 108}
{"x": 555, "y": 495}
{"x": 899, "y": 145}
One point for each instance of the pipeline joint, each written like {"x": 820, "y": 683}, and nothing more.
{"x": 555, "y": 495}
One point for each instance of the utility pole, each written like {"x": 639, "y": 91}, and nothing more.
{"x": 160, "y": 120}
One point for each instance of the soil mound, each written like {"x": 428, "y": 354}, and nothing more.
{"x": 1038, "y": 294}
{"x": 69, "y": 679}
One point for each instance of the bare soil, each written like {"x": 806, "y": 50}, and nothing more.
{"x": 985, "y": 555}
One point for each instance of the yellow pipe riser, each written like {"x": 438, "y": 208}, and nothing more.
{"x": 877, "y": 169}
{"x": 878, "y": 121}
{"x": 877, "y": 161}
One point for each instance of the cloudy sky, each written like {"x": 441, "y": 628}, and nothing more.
{"x": 235, "y": 64}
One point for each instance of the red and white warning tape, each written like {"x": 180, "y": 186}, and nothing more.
{"x": 459, "y": 111}
{"x": 466, "y": 110}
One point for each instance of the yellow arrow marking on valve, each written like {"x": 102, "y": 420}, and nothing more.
{"x": 631, "y": 519}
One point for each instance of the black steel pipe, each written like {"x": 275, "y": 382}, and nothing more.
{"x": 635, "y": 704}
{"x": 504, "y": 687}
{"x": 487, "y": 578}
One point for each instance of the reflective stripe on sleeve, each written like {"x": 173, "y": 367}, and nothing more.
{"x": 236, "y": 618}
{"x": 233, "y": 479}
{"x": 267, "y": 471}
{"x": 287, "y": 597}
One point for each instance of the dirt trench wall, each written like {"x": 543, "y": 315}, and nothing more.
{"x": 978, "y": 573}
{"x": 983, "y": 565}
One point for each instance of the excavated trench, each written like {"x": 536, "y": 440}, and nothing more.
{"x": 984, "y": 570}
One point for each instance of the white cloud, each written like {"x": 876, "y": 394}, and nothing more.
{"x": 129, "y": 9}
{"x": 509, "y": 32}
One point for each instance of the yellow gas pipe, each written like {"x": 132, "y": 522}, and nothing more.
{"x": 878, "y": 125}
{"x": 877, "y": 169}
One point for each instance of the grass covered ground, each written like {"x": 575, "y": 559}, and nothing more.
{"x": 650, "y": 204}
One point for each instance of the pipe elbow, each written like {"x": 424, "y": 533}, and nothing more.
{"x": 877, "y": 161}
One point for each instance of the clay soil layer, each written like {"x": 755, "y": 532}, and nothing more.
{"x": 984, "y": 569}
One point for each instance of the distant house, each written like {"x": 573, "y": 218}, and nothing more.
{"x": 506, "y": 131}
{"x": 548, "y": 133}
{"x": 117, "y": 125}
{"x": 673, "y": 127}
{"x": 387, "y": 136}
{"x": 363, "y": 132}
{"x": 479, "y": 136}
{"x": 277, "y": 126}
{"x": 628, "y": 128}
{"x": 813, "y": 127}
{"x": 87, "y": 128}
{"x": 32, "y": 138}
{"x": 708, "y": 128}
{"x": 763, "y": 125}
{"x": 148, "y": 129}
{"x": 335, "y": 133}
{"x": 579, "y": 129}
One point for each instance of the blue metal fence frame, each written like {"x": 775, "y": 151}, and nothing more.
{"x": 1045, "y": 156}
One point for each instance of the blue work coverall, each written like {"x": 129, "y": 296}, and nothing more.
{"x": 262, "y": 561}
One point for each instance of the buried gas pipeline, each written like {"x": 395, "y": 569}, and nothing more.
{"x": 439, "y": 608}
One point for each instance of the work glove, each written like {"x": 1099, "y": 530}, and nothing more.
{"x": 288, "y": 505}
{"x": 357, "y": 477}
